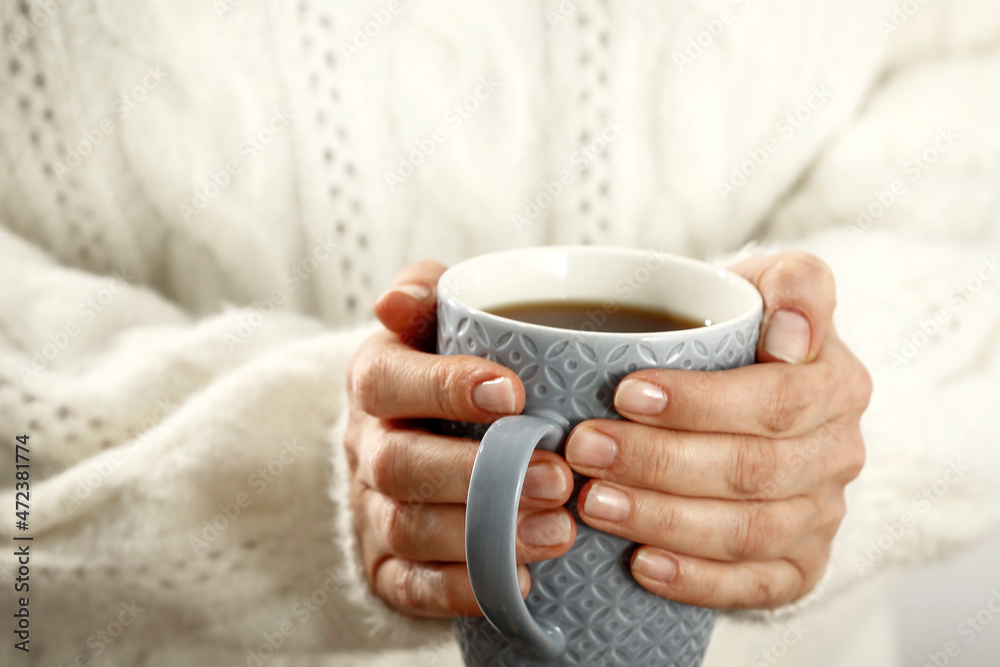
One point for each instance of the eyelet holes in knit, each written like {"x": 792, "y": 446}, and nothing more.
{"x": 594, "y": 54}
{"x": 31, "y": 96}
{"x": 344, "y": 208}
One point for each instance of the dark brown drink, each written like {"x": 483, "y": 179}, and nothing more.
{"x": 594, "y": 316}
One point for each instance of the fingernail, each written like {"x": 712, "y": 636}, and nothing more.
{"x": 655, "y": 564}
{"x": 415, "y": 290}
{"x": 496, "y": 395}
{"x": 604, "y": 502}
{"x": 544, "y": 481}
{"x": 641, "y": 398}
{"x": 544, "y": 529}
{"x": 787, "y": 337}
{"x": 591, "y": 449}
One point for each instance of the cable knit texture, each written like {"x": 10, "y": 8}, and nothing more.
{"x": 200, "y": 201}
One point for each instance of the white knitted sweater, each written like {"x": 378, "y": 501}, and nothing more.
{"x": 199, "y": 202}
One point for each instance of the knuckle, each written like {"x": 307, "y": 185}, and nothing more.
{"x": 394, "y": 527}
{"x": 743, "y": 540}
{"x": 855, "y": 455}
{"x": 762, "y": 530}
{"x": 762, "y": 592}
{"x": 798, "y": 275}
{"x": 645, "y": 460}
{"x": 449, "y": 377}
{"x": 366, "y": 378}
{"x": 706, "y": 389}
{"x": 663, "y": 516}
{"x": 384, "y": 464}
{"x": 453, "y": 592}
{"x": 800, "y": 266}
{"x": 666, "y": 516}
{"x": 402, "y": 586}
{"x": 756, "y": 467}
{"x": 861, "y": 387}
{"x": 785, "y": 406}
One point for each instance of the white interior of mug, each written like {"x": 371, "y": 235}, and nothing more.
{"x": 604, "y": 275}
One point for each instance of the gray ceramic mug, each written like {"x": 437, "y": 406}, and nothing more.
{"x": 584, "y": 608}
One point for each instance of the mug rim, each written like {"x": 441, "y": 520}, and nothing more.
{"x": 754, "y": 308}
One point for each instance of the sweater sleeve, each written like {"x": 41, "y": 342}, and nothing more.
{"x": 903, "y": 207}
{"x": 180, "y": 468}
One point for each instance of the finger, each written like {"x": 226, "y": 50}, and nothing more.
{"x": 724, "y": 530}
{"x": 799, "y": 297}
{"x": 418, "y": 467}
{"x": 391, "y": 381}
{"x": 771, "y": 400}
{"x": 425, "y": 532}
{"x": 435, "y": 590}
{"x": 710, "y": 465}
{"x": 409, "y": 307}
{"x": 708, "y": 583}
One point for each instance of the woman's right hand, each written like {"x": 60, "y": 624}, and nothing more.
{"x": 409, "y": 486}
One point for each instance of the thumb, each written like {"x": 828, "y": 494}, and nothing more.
{"x": 409, "y": 307}
{"x": 799, "y": 297}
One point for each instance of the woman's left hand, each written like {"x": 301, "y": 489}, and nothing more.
{"x": 733, "y": 481}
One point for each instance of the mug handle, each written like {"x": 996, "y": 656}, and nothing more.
{"x": 491, "y": 527}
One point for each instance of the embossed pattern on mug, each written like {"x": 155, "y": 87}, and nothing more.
{"x": 572, "y": 377}
{"x": 589, "y": 592}
{"x": 609, "y": 620}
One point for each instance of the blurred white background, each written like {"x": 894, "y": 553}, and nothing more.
{"x": 933, "y": 601}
